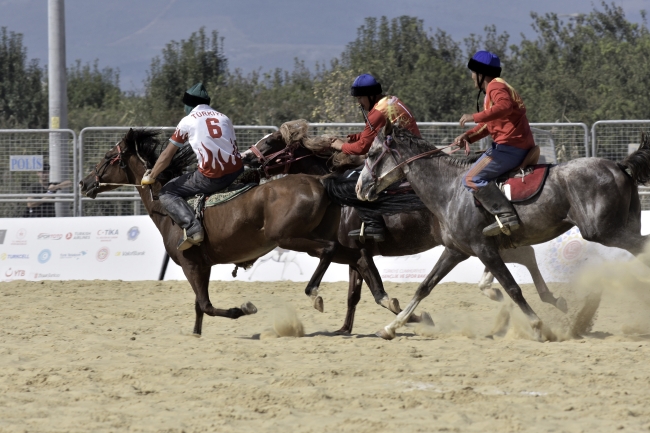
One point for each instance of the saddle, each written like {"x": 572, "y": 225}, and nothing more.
{"x": 199, "y": 202}
{"x": 525, "y": 181}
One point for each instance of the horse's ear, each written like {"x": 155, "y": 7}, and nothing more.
{"x": 645, "y": 141}
{"x": 388, "y": 128}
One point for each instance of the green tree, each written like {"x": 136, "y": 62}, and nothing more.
{"x": 200, "y": 58}
{"x": 23, "y": 101}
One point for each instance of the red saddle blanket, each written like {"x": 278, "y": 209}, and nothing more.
{"x": 519, "y": 188}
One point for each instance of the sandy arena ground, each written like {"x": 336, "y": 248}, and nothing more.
{"x": 84, "y": 356}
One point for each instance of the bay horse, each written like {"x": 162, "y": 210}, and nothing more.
{"x": 407, "y": 232}
{"x": 598, "y": 196}
{"x": 293, "y": 213}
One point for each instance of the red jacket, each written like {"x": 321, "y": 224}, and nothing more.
{"x": 388, "y": 107}
{"x": 503, "y": 117}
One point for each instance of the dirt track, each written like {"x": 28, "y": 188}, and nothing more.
{"x": 115, "y": 356}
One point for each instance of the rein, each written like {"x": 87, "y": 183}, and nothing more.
{"x": 387, "y": 149}
{"x": 284, "y": 158}
{"x": 117, "y": 158}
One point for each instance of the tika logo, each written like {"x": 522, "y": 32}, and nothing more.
{"x": 17, "y": 273}
{"x": 49, "y": 236}
{"x": 107, "y": 235}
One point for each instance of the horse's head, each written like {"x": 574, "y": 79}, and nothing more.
{"x": 277, "y": 153}
{"x": 126, "y": 162}
{"x": 381, "y": 169}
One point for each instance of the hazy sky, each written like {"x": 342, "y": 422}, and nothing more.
{"x": 266, "y": 34}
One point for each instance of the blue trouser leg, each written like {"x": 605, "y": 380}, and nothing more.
{"x": 497, "y": 160}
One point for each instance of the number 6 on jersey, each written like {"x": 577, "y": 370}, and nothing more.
{"x": 213, "y": 129}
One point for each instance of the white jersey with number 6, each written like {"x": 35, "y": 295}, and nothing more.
{"x": 212, "y": 138}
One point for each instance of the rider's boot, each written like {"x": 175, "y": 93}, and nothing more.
{"x": 183, "y": 215}
{"x": 374, "y": 228}
{"x": 495, "y": 202}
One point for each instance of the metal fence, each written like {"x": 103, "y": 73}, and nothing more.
{"x": 27, "y": 186}
{"x": 616, "y": 139}
{"x": 21, "y": 191}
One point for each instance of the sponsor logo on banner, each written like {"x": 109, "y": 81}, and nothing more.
{"x": 107, "y": 235}
{"x": 3, "y": 233}
{"x": 75, "y": 256}
{"x": 130, "y": 253}
{"x": 133, "y": 233}
{"x": 20, "y": 238}
{"x": 49, "y": 236}
{"x": 44, "y": 256}
{"x": 76, "y": 236}
{"x": 39, "y": 275}
{"x": 102, "y": 254}
{"x": 405, "y": 273}
{"x": 15, "y": 273}
{"x": 5, "y": 256}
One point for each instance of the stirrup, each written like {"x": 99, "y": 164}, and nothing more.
{"x": 190, "y": 241}
{"x": 509, "y": 225}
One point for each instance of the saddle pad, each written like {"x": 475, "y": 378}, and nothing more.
{"x": 223, "y": 196}
{"x": 523, "y": 188}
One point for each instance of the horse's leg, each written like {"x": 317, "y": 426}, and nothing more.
{"x": 526, "y": 256}
{"x": 199, "y": 278}
{"x": 491, "y": 258}
{"x": 326, "y": 255}
{"x": 354, "y": 296}
{"x": 447, "y": 261}
{"x": 485, "y": 286}
{"x": 371, "y": 276}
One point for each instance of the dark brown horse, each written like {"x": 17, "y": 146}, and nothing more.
{"x": 293, "y": 213}
{"x": 407, "y": 233}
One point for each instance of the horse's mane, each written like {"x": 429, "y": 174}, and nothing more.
{"x": 460, "y": 161}
{"x": 149, "y": 147}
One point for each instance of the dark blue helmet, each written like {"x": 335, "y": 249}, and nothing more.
{"x": 365, "y": 85}
{"x": 485, "y": 63}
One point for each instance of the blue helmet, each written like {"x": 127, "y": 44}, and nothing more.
{"x": 485, "y": 63}
{"x": 365, "y": 85}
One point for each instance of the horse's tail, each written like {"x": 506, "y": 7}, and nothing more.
{"x": 637, "y": 165}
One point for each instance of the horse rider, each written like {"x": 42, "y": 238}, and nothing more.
{"x": 212, "y": 137}
{"x": 504, "y": 118}
{"x": 376, "y": 108}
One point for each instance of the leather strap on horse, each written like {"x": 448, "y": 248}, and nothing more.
{"x": 411, "y": 159}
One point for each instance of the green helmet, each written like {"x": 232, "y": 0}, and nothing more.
{"x": 195, "y": 95}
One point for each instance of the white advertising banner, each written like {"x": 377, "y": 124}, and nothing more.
{"x": 131, "y": 248}
{"x": 88, "y": 248}
{"x": 558, "y": 261}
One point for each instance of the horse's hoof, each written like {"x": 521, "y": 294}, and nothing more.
{"x": 560, "y": 304}
{"x": 493, "y": 294}
{"x": 426, "y": 319}
{"x": 196, "y": 335}
{"x": 248, "y": 308}
{"x": 393, "y": 305}
{"x": 343, "y": 331}
{"x": 319, "y": 304}
{"x": 385, "y": 334}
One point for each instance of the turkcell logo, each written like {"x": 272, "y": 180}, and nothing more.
{"x": 44, "y": 256}
{"x": 26, "y": 162}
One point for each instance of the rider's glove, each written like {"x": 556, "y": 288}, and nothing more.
{"x": 147, "y": 179}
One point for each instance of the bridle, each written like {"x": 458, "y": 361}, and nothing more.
{"x": 284, "y": 157}
{"x": 116, "y": 158}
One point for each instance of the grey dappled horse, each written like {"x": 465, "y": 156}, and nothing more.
{"x": 598, "y": 196}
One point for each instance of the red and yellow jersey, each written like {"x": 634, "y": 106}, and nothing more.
{"x": 503, "y": 117}
{"x": 388, "y": 107}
